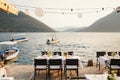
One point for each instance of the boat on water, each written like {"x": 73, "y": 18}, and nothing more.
{"x": 9, "y": 53}
{"x": 19, "y": 39}
{"x": 54, "y": 40}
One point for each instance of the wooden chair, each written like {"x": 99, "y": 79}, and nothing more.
{"x": 55, "y": 64}
{"x": 79, "y": 78}
{"x": 110, "y": 53}
{"x": 119, "y": 53}
{"x": 70, "y": 53}
{"x": 57, "y": 53}
{"x": 40, "y": 64}
{"x": 114, "y": 64}
{"x": 71, "y": 64}
{"x": 43, "y": 53}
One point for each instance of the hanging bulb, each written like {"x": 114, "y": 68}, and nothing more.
{"x": 39, "y": 12}
{"x": 102, "y": 8}
{"x": 71, "y": 9}
{"x": 5, "y": 4}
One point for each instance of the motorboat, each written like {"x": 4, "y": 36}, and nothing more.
{"x": 9, "y": 53}
{"x": 19, "y": 39}
{"x": 54, "y": 40}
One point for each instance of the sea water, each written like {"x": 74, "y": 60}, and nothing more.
{"x": 84, "y": 44}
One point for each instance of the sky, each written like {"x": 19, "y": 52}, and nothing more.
{"x": 89, "y": 11}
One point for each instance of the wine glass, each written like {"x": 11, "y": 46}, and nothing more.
{"x": 105, "y": 73}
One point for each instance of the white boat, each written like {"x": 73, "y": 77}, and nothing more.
{"x": 54, "y": 40}
{"x": 11, "y": 52}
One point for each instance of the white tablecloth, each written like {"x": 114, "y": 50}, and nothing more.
{"x": 97, "y": 77}
{"x": 61, "y": 57}
{"x": 7, "y": 78}
{"x": 3, "y": 72}
{"x": 103, "y": 59}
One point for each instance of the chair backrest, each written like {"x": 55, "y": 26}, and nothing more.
{"x": 115, "y": 62}
{"x": 55, "y": 61}
{"x": 70, "y": 53}
{"x": 110, "y": 53}
{"x": 57, "y": 53}
{"x": 119, "y": 53}
{"x": 40, "y": 62}
{"x": 98, "y": 54}
{"x": 43, "y": 53}
{"x": 71, "y": 62}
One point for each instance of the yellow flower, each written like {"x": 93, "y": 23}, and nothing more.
{"x": 65, "y": 53}
{"x": 112, "y": 76}
{"x": 113, "y": 53}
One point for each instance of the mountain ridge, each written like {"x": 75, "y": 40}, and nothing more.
{"x": 21, "y": 23}
{"x": 109, "y": 23}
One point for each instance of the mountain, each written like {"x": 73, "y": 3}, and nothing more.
{"x": 76, "y": 29}
{"x": 21, "y": 23}
{"x": 109, "y": 23}
{"x": 63, "y": 28}
{"x": 69, "y": 29}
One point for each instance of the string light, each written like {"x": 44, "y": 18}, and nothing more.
{"x": 39, "y": 12}
{"x": 79, "y": 11}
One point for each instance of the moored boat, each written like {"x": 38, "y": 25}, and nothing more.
{"x": 11, "y": 52}
{"x": 54, "y": 40}
{"x": 19, "y": 39}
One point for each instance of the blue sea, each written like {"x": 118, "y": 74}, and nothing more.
{"x": 84, "y": 44}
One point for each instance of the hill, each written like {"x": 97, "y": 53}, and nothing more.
{"x": 74, "y": 29}
{"x": 21, "y": 23}
{"x": 69, "y": 29}
{"x": 109, "y": 23}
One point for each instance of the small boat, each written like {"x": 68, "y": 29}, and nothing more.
{"x": 19, "y": 39}
{"x": 54, "y": 40}
{"x": 11, "y": 52}
{"x": 16, "y": 37}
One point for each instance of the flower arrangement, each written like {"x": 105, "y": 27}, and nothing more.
{"x": 49, "y": 53}
{"x": 65, "y": 54}
{"x": 113, "y": 54}
{"x": 112, "y": 76}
